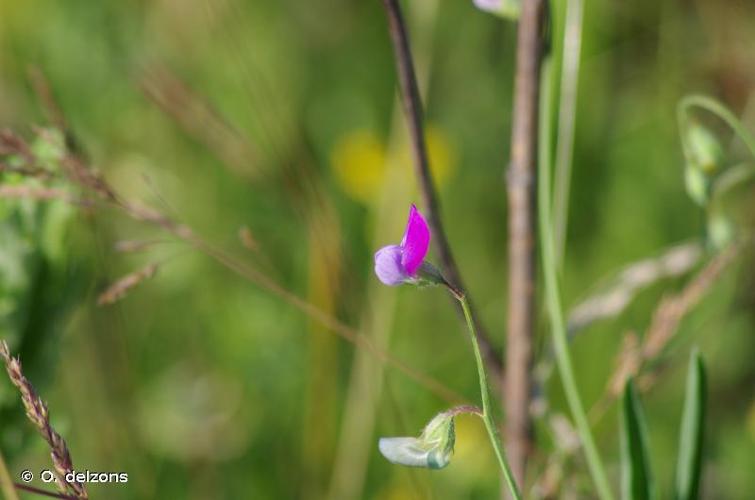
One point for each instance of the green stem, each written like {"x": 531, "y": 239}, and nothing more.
{"x": 718, "y": 109}
{"x": 553, "y": 302}
{"x": 487, "y": 416}
{"x": 567, "y": 117}
{"x": 6, "y": 483}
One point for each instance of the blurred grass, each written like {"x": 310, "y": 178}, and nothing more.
{"x": 202, "y": 386}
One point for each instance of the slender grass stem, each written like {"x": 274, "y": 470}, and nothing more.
{"x": 553, "y": 299}
{"x": 567, "y": 121}
{"x": 6, "y": 483}
{"x": 718, "y": 109}
{"x": 487, "y": 409}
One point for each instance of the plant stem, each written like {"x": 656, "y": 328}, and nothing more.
{"x": 487, "y": 416}
{"x": 717, "y": 109}
{"x": 555, "y": 311}
{"x": 44, "y": 493}
{"x": 566, "y": 122}
{"x": 522, "y": 222}
{"x": 6, "y": 483}
{"x": 412, "y": 102}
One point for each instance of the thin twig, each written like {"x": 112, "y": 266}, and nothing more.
{"x": 522, "y": 220}
{"x": 36, "y": 411}
{"x": 412, "y": 103}
{"x": 39, "y": 491}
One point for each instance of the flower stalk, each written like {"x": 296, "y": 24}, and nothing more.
{"x": 405, "y": 264}
{"x": 487, "y": 409}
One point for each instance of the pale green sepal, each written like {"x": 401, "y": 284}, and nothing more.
{"x": 703, "y": 150}
{"x": 697, "y": 184}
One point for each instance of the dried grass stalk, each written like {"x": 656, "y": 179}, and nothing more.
{"x": 36, "y": 411}
{"x": 120, "y": 288}
{"x": 614, "y": 299}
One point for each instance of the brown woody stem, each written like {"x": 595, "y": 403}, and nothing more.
{"x": 522, "y": 230}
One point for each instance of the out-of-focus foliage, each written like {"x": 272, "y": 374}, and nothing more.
{"x": 35, "y": 285}
{"x": 282, "y": 117}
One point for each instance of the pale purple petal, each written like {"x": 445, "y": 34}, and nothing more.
{"x": 388, "y": 267}
{"x": 415, "y": 243}
{"x": 489, "y": 5}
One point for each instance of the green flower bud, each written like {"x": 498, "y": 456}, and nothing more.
{"x": 697, "y": 184}
{"x": 703, "y": 150}
{"x": 433, "y": 449}
{"x": 721, "y": 231}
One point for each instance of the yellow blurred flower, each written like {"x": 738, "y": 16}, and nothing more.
{"x": 442, "y": 155}
{"x": 359, "y": 161}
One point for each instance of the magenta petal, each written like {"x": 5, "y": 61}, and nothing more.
{"x": 388, "y": 267}
{"x": 416, "y": 242}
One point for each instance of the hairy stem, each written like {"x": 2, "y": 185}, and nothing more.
{"x": 487, "y": 410}
{"x": 412, "y": 103}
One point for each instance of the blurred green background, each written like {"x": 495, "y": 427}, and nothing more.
{"x": 282, "y": 118}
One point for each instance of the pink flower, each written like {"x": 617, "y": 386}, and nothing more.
{"x": 396, "y": 264}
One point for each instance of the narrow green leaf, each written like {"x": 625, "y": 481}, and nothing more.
{"x": 689, "y": 461}
{"x": 636, "y": 477}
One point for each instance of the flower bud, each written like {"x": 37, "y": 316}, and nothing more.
{"x": 697, "y": 184}
{"x": 721, "y": 231}
{"x": 433, "y": 449}
{"x": 702, "y": 150}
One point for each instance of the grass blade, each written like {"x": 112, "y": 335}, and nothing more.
{"x": 689, "y": 460}
{"x": 636, "y": 477}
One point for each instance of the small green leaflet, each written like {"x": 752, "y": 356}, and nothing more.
{"x": 689, "y": 460}
{"x": 636, "y": 477}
